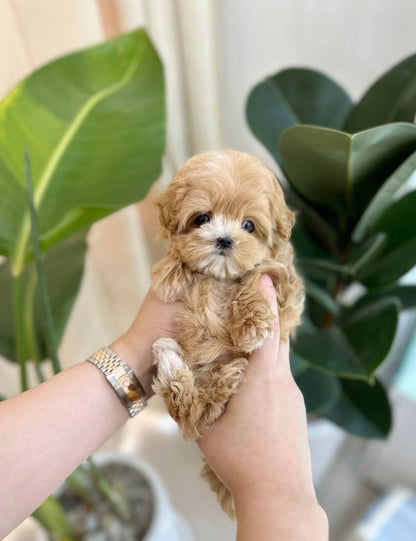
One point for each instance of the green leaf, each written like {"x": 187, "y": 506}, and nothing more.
{"x": 63, "y": 269}
{"x": 349, "y": 349}
{"x": 399, "y": 252}
{"x": 328, "y": 350}
{"x": 297, "y": 366}
{"x": 313, "y": 221}
{"x": 94, "y": 126}
{"x": 405, "y": 296}
{"x": 392, "y": 98}
{"x": 295, "y": 96}
{"x": 383, "y": 198}
{"x": 362, "y": 409}
{"x": 341, "y": 171}
{"x": 52, "y": 517}
{"x": 50, "y": 335}
{"x": 7, "y": 340}
{"x": 320, "y": 390}
{"x": 364, "y": 254}
{"x": 306, "y": 245}
{"x": 322, "y": 267}
{"x": 322, "y": 297}
{"x": 370, "y": 331}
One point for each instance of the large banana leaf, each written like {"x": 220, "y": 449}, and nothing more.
{"x": 63, "y": 265}
{"x": 362, "y": 409}
{"x": 392, "y": 98}
{"x": 342, "y": 171}
{"x": 93, "y": 123}
{"x": 295, "y": 96}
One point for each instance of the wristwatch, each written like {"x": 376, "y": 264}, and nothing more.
{"x": 121, "y": 378}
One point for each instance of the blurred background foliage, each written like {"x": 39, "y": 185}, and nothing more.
{"x": 347, "y": 168}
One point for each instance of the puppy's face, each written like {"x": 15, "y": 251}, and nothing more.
{"x": 224, "y": 213}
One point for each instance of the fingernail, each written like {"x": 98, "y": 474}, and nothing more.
{"x": 267, "y": 280}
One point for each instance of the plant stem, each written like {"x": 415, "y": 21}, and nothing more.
{"x": 29, "y": 315}
{"x": 19, "y": 325}
{"x": 50, "y": 329}
{"x": 118, "y": 499}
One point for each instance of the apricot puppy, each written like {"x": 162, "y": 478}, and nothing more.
{"x": 227, "y": 223}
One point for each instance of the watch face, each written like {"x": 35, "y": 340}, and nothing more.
{"x": 129, "y": 388}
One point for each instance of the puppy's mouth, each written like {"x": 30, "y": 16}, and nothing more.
{"x": 219, "y": 261}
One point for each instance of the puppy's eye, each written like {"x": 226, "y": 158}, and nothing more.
{"x": 201, "y": 219}
{"x": 248, "y": 226}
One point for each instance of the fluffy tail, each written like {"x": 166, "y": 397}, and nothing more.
{"x": 223, "y": 494}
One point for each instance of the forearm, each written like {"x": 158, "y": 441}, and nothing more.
{"x": 48, "y": 431}
{"x": 277, "y": 518}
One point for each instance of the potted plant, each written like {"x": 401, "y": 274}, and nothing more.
{"x": 155, "y": 519}
{"x": 80, "y": 138}
{"x": 346, "y": 167}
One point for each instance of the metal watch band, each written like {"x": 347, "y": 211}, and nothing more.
{"x": 121, "y": 378}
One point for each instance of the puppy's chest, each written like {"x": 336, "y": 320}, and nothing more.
{"x": 205, "y": 322}
{"x": 209, "y": 301}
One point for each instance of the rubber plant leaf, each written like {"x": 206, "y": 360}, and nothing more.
{"x": 362, "y": 324}
{"x": 392, "y": 98}
{"x": 349, "y": 349}
{"x": 399, "y": 252}
{"x": 341, "y": 171}
{"x": 404, "y": 294}
{"x": 320, "y": 391}
{"x": 295, "y": 96}
{"x": 93, "y": 123}
{"x": 362, "y": 409}
{"x": 383, "y": 198}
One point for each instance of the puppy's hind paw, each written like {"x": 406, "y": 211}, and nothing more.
{"x": 167, "y": 355}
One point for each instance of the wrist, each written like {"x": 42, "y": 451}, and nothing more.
{"x": 279, "y": 515}
{"x": 138, "y": 355}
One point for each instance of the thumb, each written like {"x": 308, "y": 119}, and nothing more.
{"x": 268, "y": 352}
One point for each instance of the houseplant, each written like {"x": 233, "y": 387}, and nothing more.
{"x": 81, "y": 137}
{"x": 346, "y": 167}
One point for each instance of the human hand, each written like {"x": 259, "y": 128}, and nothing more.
{"x": 154, "y": 320}
{"x": 259, "y": 446}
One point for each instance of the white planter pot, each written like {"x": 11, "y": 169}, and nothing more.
{"x": 29, "y": 530}
{"x": 166, "y": 524}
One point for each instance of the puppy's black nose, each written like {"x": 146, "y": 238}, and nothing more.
{"x": 223, "y": 244}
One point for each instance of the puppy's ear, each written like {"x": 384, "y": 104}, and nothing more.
{"x": 283, "y": 217}
{"x": 169, "y": 203}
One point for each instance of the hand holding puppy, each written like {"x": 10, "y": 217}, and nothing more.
{"x": 259, "y": 448}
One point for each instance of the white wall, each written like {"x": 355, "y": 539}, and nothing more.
{"x": 352, "y": 41}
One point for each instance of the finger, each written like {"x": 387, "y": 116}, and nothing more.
{"x": 283, "y": 358}
{"x": 267, "y": 353}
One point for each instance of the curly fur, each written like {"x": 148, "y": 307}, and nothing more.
{"x": 224, "y": 315}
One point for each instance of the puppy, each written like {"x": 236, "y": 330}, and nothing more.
{"x": 227, "y": 224}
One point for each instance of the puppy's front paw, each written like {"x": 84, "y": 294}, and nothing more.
{"x": 251, "y": 331}
{"x": 167, "y": 355}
